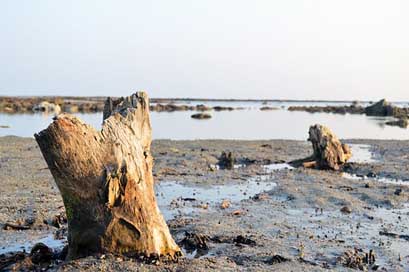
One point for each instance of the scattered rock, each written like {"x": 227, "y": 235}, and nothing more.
{"x": 384, "y": 108}
{"x": 346, "y": 210}
{"x": 241, "y": 240}
{"x": 203, "y": 206}
{"x": 226, "y": 161}
{"x": 394, "y": 235}
{"x": 193, "y": 241}
{"x": 398, "y": 191}
{"x": 10, "y": 258}
{"x": 202, "y": 107}
{"x": 41, "y": 253}
{"x": 401, "y": 122}
{"x": 269, "y": 146}
{"x": 275, "y": 259}
{"x": 221, "y": 108}
{"x": 237, "y": 212}
{"x": 225, "y": 204}
{"x": 11, "y": 226}
{"x": 261, "y": 196}
{"x": 358, "y": 260}
{"x": 201, "y": 116}
{"x": 58, "y": 220}
{"x": 268, "y": 108}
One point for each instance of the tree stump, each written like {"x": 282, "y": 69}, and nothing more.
{"x": 105, "y": 179}
{"x": 329, "y": 152}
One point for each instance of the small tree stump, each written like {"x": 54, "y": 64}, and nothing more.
{"x": 105, "y": 179}
{"x": 329, "y": 152}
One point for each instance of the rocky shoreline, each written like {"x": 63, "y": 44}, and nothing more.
{"x": 17, "y": 105}
{"x": 277, "y": 218}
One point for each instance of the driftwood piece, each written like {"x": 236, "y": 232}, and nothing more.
{"x": 105, "y": 179}
{"x": 12, "y": 226}
{"x": 329, "y": 152}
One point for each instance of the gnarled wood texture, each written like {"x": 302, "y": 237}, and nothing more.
{"x": 105, "y": 179}
{"x": 329, "y": 152}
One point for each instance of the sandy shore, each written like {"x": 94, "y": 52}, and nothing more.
{"x": 283, "y": 219}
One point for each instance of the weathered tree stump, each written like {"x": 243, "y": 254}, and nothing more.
{"x": 105, "y": 179}
{"x": 329, "y": 152}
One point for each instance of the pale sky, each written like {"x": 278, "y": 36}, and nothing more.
{"x": 311, "y": 49}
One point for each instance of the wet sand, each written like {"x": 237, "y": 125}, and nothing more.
{"x": 279, "y": 218}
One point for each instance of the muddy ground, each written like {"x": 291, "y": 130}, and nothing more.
{"x": 281, "y": 220}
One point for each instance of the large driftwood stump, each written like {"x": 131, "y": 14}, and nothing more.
{"x": 329, "y": 152}
{"x": 105, "y": 179}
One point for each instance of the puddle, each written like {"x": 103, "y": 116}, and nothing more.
{"x": 175, "y": 198}
{"x": 378, "y": 179}
{"x": 181, "y": 199}
{"x": 235, "y": 166}
{"x": 169, "y": 190}
{"x": 187, "y": 198}
{"x": 49, "y": 240}
{"x": 277, "y": 167}
{"x": 361, "y": 153}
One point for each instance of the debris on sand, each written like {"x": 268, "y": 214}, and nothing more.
{"x": 357, "y": 259}
{"x": 225, "y": 204}
{"x": 241, "y": 240}
{"x": 201, "y": 116}
{"x": 194, "y": 241}
{"x": 41, "y": 253}
{"x": 269, "y": 146}
{"x": 329, "y": 152}
{"x": 58, "y": 220}
{"x": 346, "y": 210}
{"x": 237, "y": 212}
{"x": 394, "y": 235}
{"x": 276, "y": 259}
{"x": 226, "y": 160}
{"x": 40, "y": 258}
{"x": 261, "y": 196}
{"x": 11, "y": 226}
{"x": 11, "y": 258}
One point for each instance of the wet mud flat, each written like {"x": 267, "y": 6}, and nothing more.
{"x": 260, "y": 215}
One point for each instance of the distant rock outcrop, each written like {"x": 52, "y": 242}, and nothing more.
{"x": 46, "y": 106}
{"x": 401, "y": 122}
{"x": 201, "y": 116}
{"x": 380, "y": 108}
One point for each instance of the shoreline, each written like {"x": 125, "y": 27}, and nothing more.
{"x": 154, "y": 99}
{"x": 276, "y": 211}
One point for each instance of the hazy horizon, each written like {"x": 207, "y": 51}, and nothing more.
{"x": 301, "y": 50}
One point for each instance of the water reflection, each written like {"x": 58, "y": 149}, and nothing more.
{"x": 238, "y": 124}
